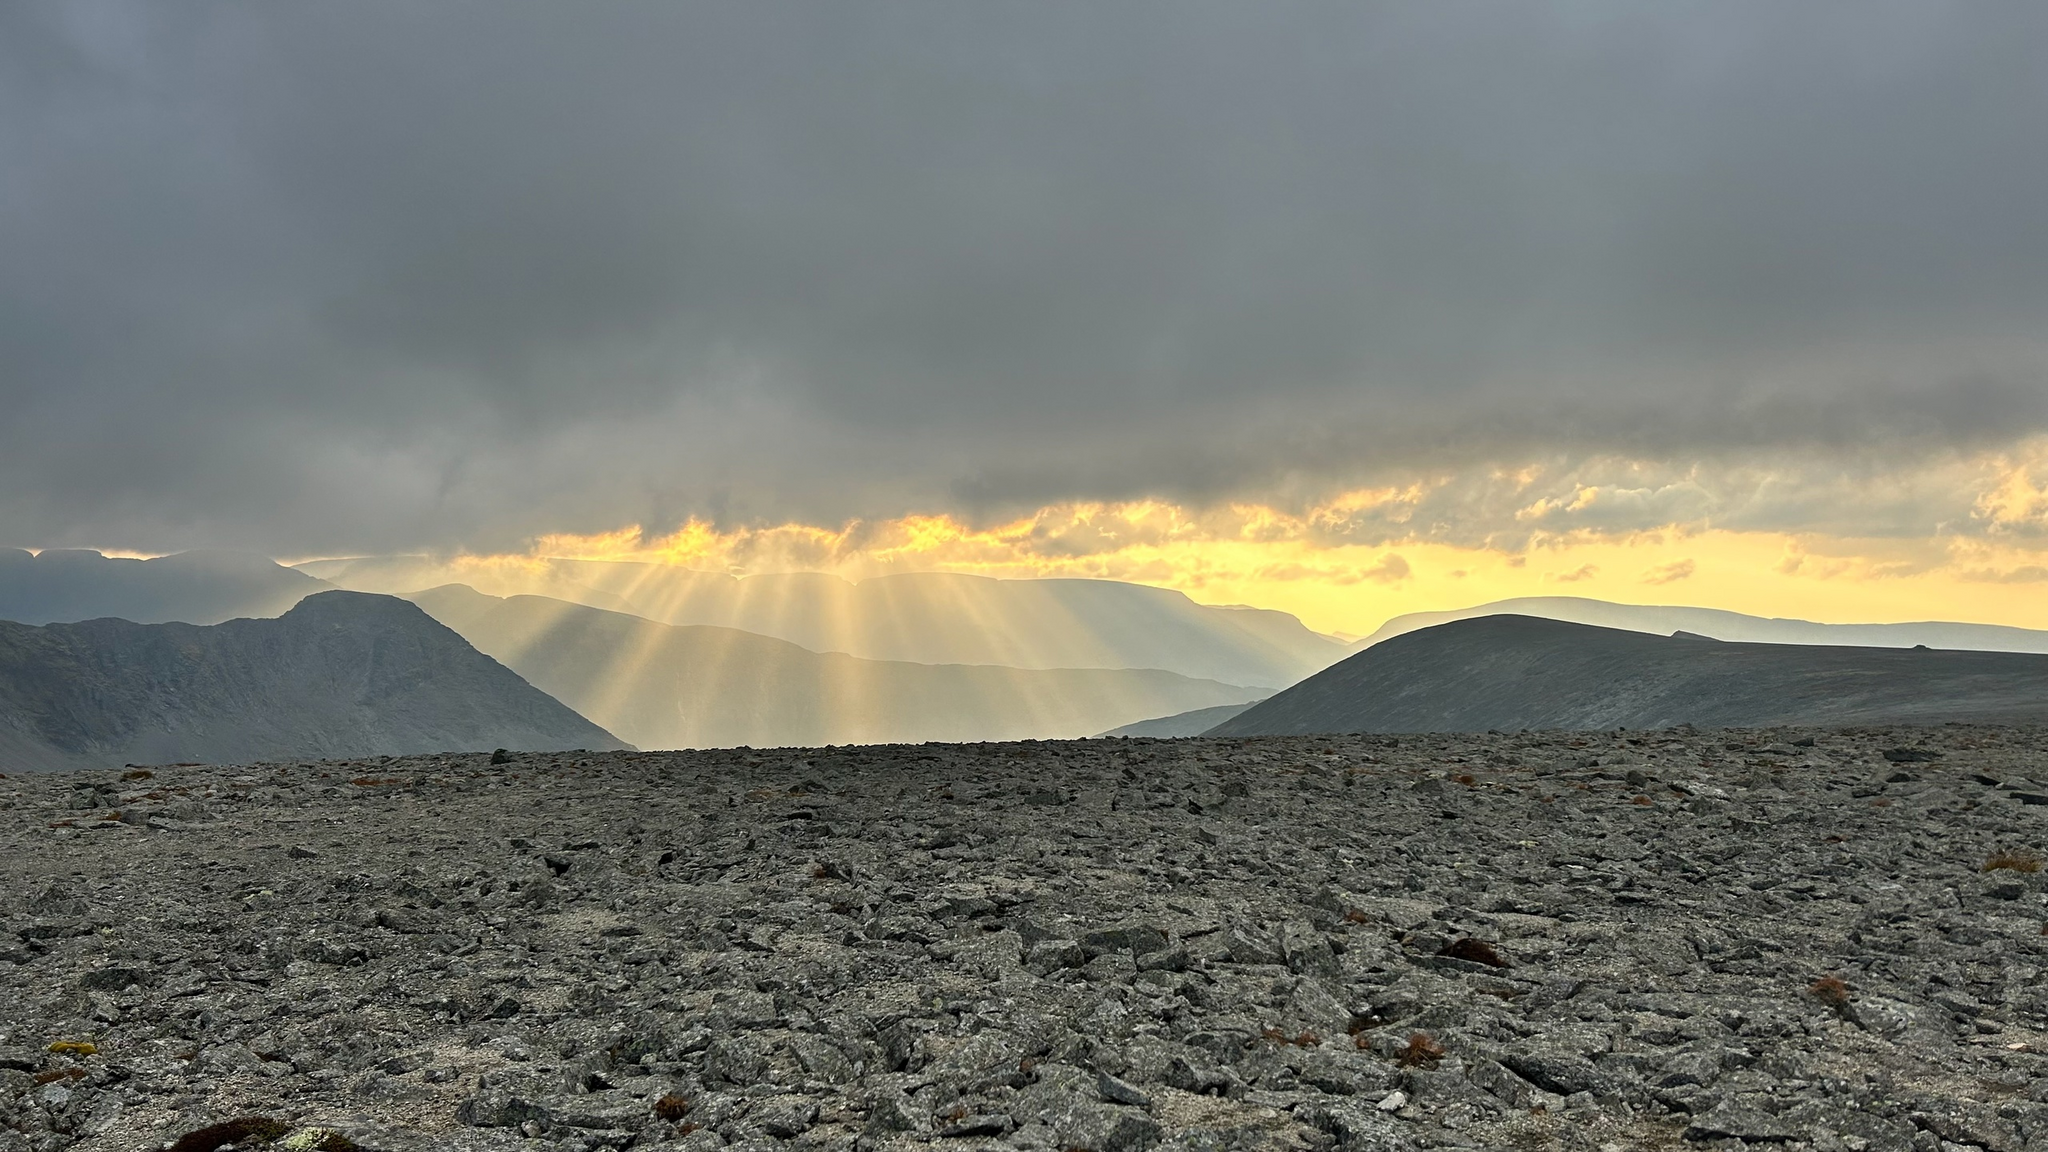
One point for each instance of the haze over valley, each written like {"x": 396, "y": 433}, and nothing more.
{"x": 979, "y": 659}
{"x": 699, "y": 686}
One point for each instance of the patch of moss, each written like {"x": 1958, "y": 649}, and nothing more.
{"x": 243, "y": 1129}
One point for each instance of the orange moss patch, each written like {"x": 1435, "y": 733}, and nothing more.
{"x": 1423, "y": 1051}
{"x": 1829, "y": 990}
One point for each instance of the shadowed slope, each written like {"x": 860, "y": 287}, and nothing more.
{"x": 1180, "y": 723}
{"x": 343, "y": 674}
{"x": 1514, "y": 672}
{"x": 668, "y": 686}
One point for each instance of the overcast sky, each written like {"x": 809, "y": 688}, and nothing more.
{"x": 325, "y": 278}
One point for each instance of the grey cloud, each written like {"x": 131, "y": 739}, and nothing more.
{"x": 314, "y": 277}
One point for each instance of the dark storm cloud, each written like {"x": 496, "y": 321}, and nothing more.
{"x": 327, "y": 277}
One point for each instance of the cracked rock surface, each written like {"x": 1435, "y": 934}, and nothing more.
{"x": 1795, "y": 939}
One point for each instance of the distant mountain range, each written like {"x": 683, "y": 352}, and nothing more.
{"x": 1516, "y": 672}
{"x": 70, "y": 584}
{"x": 927, "y": 618}
{"x": 669, "y": 657}
{"x": 342, "y": 674}
{"x": 1664, "y": 620}
{"x": 680, "y": 686}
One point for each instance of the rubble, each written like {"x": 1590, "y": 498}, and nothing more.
{"x": 1793, "y": 939}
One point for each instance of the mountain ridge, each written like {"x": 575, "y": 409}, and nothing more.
{"x": 67, "y": 585}
{"x": 1722, "y": 624}
{"x": 341, "y": 674}
{"x": 1511, "y": 672}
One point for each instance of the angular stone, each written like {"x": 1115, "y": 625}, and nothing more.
{"x": 783, "y": 1117}
{"x": 1729, "y": 1119}
{"x": 1136, "y": 939}
{"x": 496, "y": 1109}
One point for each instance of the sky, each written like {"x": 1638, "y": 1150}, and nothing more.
{"x": 1343, "y": 308}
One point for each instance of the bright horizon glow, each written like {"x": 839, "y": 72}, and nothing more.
{"x": 1988, "y": 565}
{"x": 1353, "y": 590}
{"x": 1265, "y": 559}
{"x": 1747, "y": 542}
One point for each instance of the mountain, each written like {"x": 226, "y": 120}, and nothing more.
{"x": 1180, "y": 723}
{"x": 66, "y": 584}
{"x": 1663, "y": 620}
{"x": 1515, "y": 672}
{"x": 342, "y": 674}
{"x": 927, "y": 618}
{"x": 695, "y": 686}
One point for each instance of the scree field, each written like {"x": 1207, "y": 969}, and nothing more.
{"x": 1830, "y": 940}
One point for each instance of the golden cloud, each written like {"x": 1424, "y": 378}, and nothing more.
{"x": 1748, "y": 541}
{"x": 1670, "y": 573}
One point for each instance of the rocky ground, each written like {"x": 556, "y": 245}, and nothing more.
{"x": 1803, "y": 939}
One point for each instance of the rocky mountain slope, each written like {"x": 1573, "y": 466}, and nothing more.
{"x": 1516, "y": 672}
{"x": 925, "y": 618}
{"x": 340, "y": 674}
{"x": 1180, "y": 723}
{"x": 193, "y": 587}
{"x": 1663, "y": 620}
{"x": 664, "y": 686}
{"x": 1789, "y": 940}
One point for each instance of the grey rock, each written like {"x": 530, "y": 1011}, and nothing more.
{"x": 1504, "y": 1084}
{"x": 1243, "y": 944}
{"x": 1136, "y": 939}
{"x": 1049, "y": 955}
{"x": 893, "y": 1112}
{"x": 784, "y": 1116}
{"x": 1730, "y": 1119}
{"x": 113, "y": 978}
{"x": 604, "y": 1110}
{"x": 494, "y": 1109}
{"x": 736, "y": 1060}
{"x": 822, "y": 1059}
{"x": 1115, "y": 1091}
